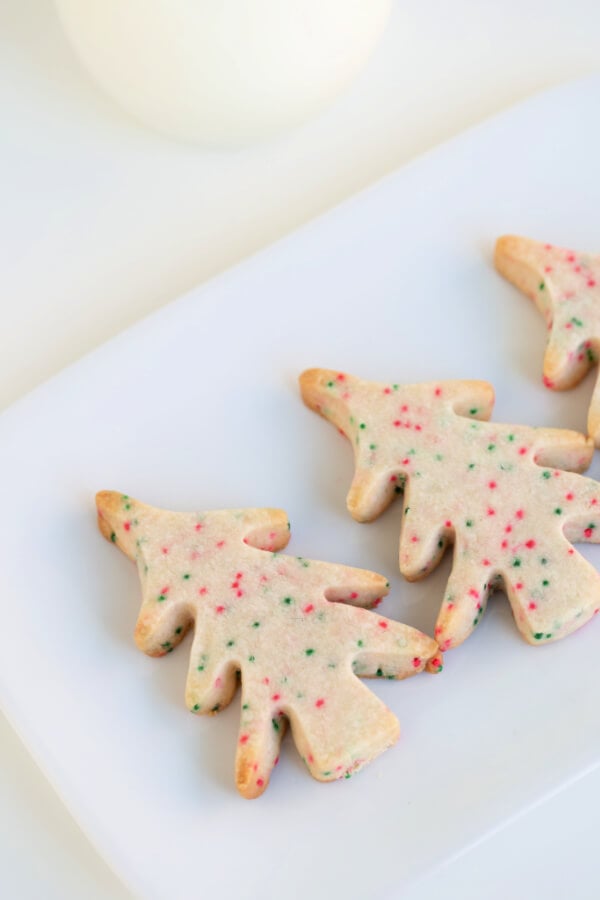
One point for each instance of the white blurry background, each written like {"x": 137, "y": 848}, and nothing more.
{"x": 102, "y": 221}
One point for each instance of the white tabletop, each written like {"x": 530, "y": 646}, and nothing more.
{"x": 103, "y": 222}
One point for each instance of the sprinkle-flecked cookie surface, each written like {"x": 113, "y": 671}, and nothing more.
{"x": 497, "y": 492}
{"x": 565, "y": 286}
{"x": 270, "y": 618}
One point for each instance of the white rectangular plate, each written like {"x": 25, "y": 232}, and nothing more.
{"x": 197, "y": 408}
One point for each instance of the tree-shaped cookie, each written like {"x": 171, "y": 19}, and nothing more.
{"x": 565, "y": 286}
{"x": 496, "y": 492}
{"x": 270, "y": 619}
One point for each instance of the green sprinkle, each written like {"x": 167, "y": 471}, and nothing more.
{"x": 275, "y": 724}
{"x": 516, "y": 562}
{"x": 471, "y": 466}
{"x": 440, "y": 544}
{"x": 372, "y": 446}
{"x": 330, "y": 384}
{"x": 309, "y": 652}
{"x": 287, "y": 600}
{"x": 538, "y": 635}
{"x": 379, "y": 673}
{"x": 166, "y": 645}
{"x": 230, "y": 643}
{"x": 469, "y": 523}
{"x": 510, "y": 437}
{"x": 196, "y": 707}
{"x": 576, "y": 321}
{"x": 245, "y": 705}
{"x": 256, "y": 624}
{"x": 216, "y": 707}
{"x": 473, "y": 412}
{"x": 545, "y": 582}
{"x": 491, "y": 447}
{"x": 251, "y": 658}
{"x": 178, "y": 630}
{"x": 541, "y": 285}
{"x": 187, "y": 576}
{"x": 360, "y": 643}
{"x": 326, "y": 774}
{"x": 113, "y": 537}
{"x": 543, "y": 561}
{"x": 557, "y": 511}
{"x": 200, "y": 668}
{"x": 161, "y": 597}
{"x": 362, "y": 425}
{"x": 546, "y": 474}
{"x": 475, "y": 622}
{"x": 439, "y": 457}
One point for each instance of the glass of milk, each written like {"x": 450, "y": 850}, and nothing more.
{"x": 223, "y": 71}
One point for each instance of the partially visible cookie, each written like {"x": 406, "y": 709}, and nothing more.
{"x": 497, "y": 492}
{"x": 271, "y": 619}
{"x": 565, "y": 286}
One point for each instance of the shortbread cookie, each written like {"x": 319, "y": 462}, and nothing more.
{"x": 496, "y": 492}
{"x": 565, "y": 286}
{"x": 269, "y": 618}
